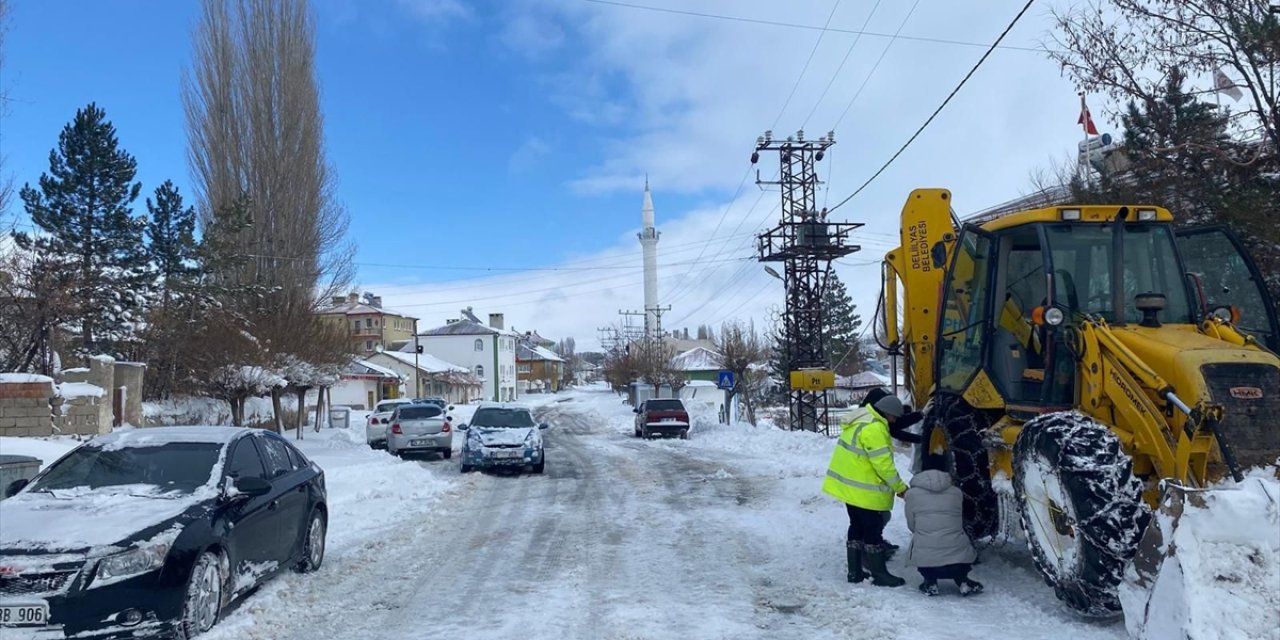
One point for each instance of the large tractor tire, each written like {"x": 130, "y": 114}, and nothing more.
{"x": 1081, "y": 508}
{"x": 954, "y": 430}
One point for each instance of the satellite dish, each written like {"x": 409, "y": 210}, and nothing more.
{"x": 379, "y": 348}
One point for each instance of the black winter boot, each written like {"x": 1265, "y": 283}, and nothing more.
{"x": 929, "y": 587}
{"x": 891, "y": 549}
{"x": 875, "y": 557}
{"x": 969, "y": 587}
{"x": 853, "y": 555}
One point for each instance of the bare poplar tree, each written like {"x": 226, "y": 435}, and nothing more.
{"x": 256, "y": 136}
{"x": 6, "y": 180}
{"x": 744, "y": 353}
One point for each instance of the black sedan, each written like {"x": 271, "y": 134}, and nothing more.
{"x": 153, "y": 532}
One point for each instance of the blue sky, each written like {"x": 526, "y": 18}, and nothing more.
{"x": 504, "y": 134}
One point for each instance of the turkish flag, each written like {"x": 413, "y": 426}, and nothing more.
{"x": 1086, "y": 120}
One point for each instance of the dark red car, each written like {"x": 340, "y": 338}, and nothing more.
{"x": 662, "y": 417}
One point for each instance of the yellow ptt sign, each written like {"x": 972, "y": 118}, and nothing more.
{"x": 813, "y": 379}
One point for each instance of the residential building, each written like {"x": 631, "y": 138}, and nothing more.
{"x": 487, "y": 350}
{"x": 371, "y": 326}
{"x": 698, "y": 363}
{"x": 425, "y": 375}
{"x": 363, "y": 384}
{"x": 538, "y": 368}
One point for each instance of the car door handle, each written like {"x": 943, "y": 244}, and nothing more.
{"x": 273, "y": 505}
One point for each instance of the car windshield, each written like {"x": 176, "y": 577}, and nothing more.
{"x": 419, "y": 413}
{"x": 384, "y": 407}
{"x": 175, "y": 467}
{"x": 510, "y": 418}
{"x": 664, "y": 405}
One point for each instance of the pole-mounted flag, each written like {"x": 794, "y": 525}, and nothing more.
{"x": 1223, "y": 84}
{"x": 1086, "y": 121}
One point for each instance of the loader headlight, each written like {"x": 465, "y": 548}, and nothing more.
{"x": 1070, "y": 214}
{"x": 1146, "y": 215}
{"x": 1054, "y": 316}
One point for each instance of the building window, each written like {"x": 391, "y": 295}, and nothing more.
{"x": 479, "y": 371}
{"x": 525, "y": 368}
{"x": 357, "y": 324}
{"x": 368, "y": 323}
{"x": 368, "y": 345}
{"x": 479, "y": 344}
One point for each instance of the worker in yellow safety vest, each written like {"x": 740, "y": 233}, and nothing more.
{"x": 862, "y": 476}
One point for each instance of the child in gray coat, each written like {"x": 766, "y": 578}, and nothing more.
{"x": 940, "y": 549}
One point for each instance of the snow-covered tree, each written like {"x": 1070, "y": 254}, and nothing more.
{"x": 83, "y": 208}
{"x": 840, "y": 330}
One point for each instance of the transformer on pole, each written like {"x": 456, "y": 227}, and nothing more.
{"x": 806, "y": 243}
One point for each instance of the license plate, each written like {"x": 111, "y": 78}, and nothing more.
{"x": 509, "y": 454}
{"x": 419, "y": 443}
{"x": 24, "y": 615}
{"x": 668, "y": 420}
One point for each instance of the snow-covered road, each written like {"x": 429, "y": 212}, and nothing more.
{"x": 722, "y": 536}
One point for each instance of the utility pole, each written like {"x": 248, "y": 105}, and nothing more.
{"x": 806, "y": 243}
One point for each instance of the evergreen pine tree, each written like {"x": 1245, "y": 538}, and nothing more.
{"x": 171, "y": 243}
{"x": 840, "y": 328}
{"x": 83, "y": 206}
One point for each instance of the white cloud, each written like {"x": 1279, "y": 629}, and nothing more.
{"x": 437, "y": 11}
{"x": 531, "y": 33}
{"x": 683, "y": 99}
{"x": 528, "y": 154}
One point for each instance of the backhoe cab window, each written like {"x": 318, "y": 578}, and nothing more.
{"x": 964, "y": 325}
{"x": 1082, "y": 257}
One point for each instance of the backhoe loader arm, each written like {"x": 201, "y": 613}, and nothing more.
{"x": 1118, "y": 388}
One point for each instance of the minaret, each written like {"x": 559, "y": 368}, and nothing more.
{"x": 649, "y": 241}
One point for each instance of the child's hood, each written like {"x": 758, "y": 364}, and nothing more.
{"x": 931, "y": 480}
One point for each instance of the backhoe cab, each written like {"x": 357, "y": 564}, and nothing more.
{"x": 1072, "y": 359}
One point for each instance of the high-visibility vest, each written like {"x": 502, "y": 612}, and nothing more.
{"x": 861, "y": 472}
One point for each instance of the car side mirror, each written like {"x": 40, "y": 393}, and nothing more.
{"x": 253, "y": 486}
{"x": 543, "y": 426}
{"x": 451, "y": 407}
{"x": 636, "y": 410}
{"x": 461, "y": 427}
{"x": 16, "y": 486}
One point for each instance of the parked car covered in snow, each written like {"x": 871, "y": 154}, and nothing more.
{"x": 375, "y": 433}
{"x": 662, "y": 416}
{"x": 153, "y": 532}
{"x": 503, "y": 435}
{"x": 419, "y": 428}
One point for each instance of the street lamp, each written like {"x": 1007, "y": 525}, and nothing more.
{"x": 771, "y": 271}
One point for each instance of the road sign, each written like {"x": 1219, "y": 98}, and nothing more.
{"x": 813, "y": 379}
{"x": 725, "y": 380}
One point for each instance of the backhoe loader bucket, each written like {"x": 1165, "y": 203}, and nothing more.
{"x": 1208, "y": 565}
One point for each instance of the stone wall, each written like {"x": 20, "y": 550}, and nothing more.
{"x": 25, "y": 408}
{"x": 80, "y": 411}
{"x": 100, "y": 372}
{"x": 129, "y": 377}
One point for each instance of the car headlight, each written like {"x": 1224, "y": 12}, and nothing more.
{"x": 121, "y": 566}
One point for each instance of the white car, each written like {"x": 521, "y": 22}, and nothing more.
{"x": 375, "y": 433}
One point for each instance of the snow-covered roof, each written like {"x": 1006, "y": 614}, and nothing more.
{"x": 426, "y": 362}
{"x": 464, "y": 328}
{"x": 377, "y": 369}
{"x": 528, "y": 351}
{"x": 862, "y": 380}
{"x": 697, "y": 359}
{"x": 360, "y": 308}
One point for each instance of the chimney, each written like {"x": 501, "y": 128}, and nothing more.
{"x": 339, "y": 300}
{"x": 495, "y": 320}
{"x": 376, "y": 301}
{"x": 353, "y": 297}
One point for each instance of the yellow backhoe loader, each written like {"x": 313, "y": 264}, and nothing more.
{"x": 1080, "y": 366}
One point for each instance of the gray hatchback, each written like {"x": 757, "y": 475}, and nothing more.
{"x": 419, "y": 428}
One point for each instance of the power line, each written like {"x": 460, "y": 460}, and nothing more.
{"x": 840, "y": 67}
{"x": 737, "y": 192}
{"x": 940, "y": 107}
{"x": 805, "y": 68}
{"x": 810, "y": 27}
{"x": 874, "y": 67}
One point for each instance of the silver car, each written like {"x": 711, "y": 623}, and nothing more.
{"x": 375, "y": 432}
{"x": 417, "y": 428}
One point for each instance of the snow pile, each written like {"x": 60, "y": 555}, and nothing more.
{"x": 20, "y": 378}
{"x": 199, "y": 410}
{"x": 80, "y": 390}
{"x": 1217, "y": 576}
